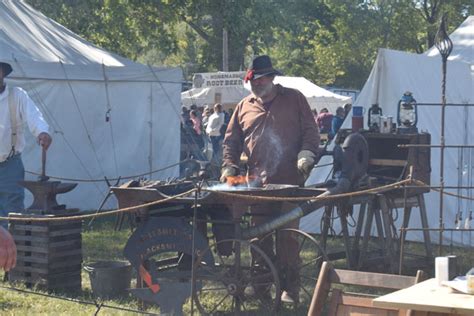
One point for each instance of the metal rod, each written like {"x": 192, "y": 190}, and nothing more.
{"x": 435, "y": 146}
{"x": 441, "y": 160}
{"x": 437, "y": 187}
{"x": 438, "y": 229}
{"x": 445, "y": 46}
{"x": 447, "y": 104}
{"x": 193, "y": 255}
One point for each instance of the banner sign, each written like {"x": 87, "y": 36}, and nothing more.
{"x": 218, "y": 79}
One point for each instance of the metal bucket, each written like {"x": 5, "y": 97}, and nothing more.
{"x": 109, "y": 279}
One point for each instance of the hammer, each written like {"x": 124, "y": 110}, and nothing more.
{"x": 43, "y": 176}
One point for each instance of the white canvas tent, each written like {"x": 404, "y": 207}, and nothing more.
{"x": 463, "y": 40}
{"x": 109, "y": 116}
{"x": 228, "y": 88}
{"x": 394, "y": 73}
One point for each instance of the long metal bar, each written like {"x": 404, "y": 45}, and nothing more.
{"x": 434, "y": 146}
{"x": 438, "y": 229}
{"x": 437, "y": 187}
{"x": 447, "y": 104}
{"x": 445, "y": 47}
{"x": 441, "y": 160}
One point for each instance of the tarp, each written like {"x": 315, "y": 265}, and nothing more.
{"x": 228, "y": 88}
{"x": 109, "y": 116}
{"x": 395, "y": 72}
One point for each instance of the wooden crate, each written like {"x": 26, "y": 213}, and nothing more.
{"x": 49, "y": 253}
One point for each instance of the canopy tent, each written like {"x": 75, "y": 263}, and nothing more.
{"x": 228, "y": 89}
{"x": 109, "y": 116}
{"x": 318, "y": 98}
{"x": 209, "y": 88}
{"x": 395, "y": 72}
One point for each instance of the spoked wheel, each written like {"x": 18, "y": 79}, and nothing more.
{"x": 233, "y": 285}
{"x": 311, "y": 258}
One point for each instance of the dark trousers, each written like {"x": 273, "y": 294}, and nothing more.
{"x": 12, "y": 194}
{"x": 215, "y": 141}
{"x": 286, "y": 251}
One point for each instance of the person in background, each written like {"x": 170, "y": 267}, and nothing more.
{"x": 275, "y": 129}
{"x": 16, "y": 111}
{"x": 324, "y": 121}
{"x": 184, "y": 115}
{"x": 198, "y": 113}
{"x": 226, "y": 123}
{"x": 213, "y": 129}
{"x": 197, "y": 128}
{"x": 205, "y": 117}
{"x": 315, "y": 115}
{"x": 347, "y": 109}
{"x": 7, "y": 250}
{"x": 337, "y": 121}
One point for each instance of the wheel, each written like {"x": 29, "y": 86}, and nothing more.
{"x": 311, "y": 258}
{"x": 234, "y": 284}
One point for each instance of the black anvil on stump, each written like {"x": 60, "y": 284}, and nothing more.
{"x": 49, "y": 251}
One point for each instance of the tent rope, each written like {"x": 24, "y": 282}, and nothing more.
{"x": 107, "y": 119}
{"x": 114, "y": 179}
{"x": 189, "y": 139}
{"x": 76, "y": 103}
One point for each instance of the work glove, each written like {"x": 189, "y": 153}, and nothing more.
{"x": 305, "y": 163}
{"x": 228, "y": 171}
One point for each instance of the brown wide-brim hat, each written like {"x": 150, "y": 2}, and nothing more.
{"x": 261, "y": 66}
{"x": 7, "y": 68}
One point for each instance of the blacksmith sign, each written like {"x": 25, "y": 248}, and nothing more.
{"x": 160, "y": 235}
{"x": 218, "y": 79}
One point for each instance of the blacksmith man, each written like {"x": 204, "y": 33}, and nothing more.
{"x": 275, "y": 128}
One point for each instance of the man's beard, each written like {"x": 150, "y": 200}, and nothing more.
{"x": 262, "y": 91}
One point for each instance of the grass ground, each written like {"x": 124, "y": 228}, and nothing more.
{"x": 101, "y": 242}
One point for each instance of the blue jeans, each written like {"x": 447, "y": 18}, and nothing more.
{"x": 12, "y": 194}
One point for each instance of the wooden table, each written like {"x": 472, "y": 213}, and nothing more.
{"x": 427, "y": 296}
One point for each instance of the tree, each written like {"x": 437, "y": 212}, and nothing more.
{"x": 331, "y": 42}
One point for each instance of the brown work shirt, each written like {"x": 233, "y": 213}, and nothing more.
{"x": 271, "y": 135}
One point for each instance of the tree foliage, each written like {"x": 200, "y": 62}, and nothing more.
{"x": 331, "y": 42}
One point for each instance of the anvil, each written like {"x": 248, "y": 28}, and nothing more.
{"x": 44, "y": 195}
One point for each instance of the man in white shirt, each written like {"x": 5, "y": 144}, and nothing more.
{"x": 16, "y": 111}
{"x": 213, "y": 129}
